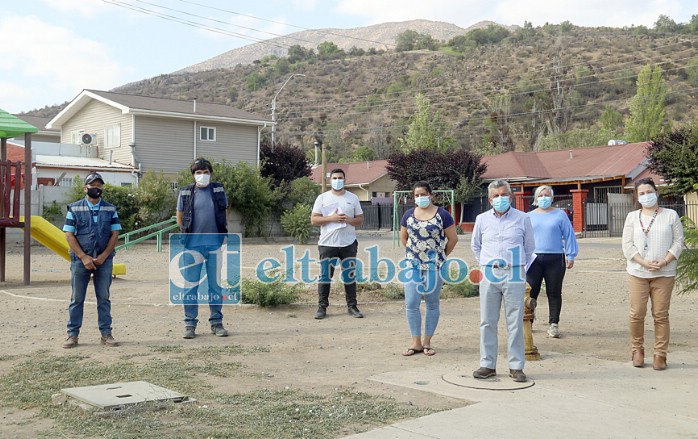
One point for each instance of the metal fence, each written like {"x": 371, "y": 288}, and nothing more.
{"x": 607, "y": 219}
{"x": 380, "y": 217}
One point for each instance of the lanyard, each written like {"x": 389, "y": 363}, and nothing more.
{"x": 647, "y": 231}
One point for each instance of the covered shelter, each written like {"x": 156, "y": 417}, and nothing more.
{"x": 11, "y": 185}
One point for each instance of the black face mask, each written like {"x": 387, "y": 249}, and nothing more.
{"x": 94, "y": 192}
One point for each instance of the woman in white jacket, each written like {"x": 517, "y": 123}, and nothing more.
{"x": 652, "y": 243}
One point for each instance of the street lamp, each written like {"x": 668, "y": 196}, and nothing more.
{"x": 273, "y": 107}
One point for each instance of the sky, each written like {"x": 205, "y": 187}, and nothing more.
{"x": 53, "y": 49}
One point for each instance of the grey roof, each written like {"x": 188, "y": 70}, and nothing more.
{"x": 146, "y": 105}
{"x": 39, "y": 122}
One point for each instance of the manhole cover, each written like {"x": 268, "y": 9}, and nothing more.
{"x": 116, "y": 395}
{"x": 499, "y": 382}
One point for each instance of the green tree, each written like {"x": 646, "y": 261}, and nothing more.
{"x": 611, "y": 119}
{"x": 302, "y": 191}
{"x": 461, "y": 43}
{"x": 693, "y": 24}
{"x": 687, "y": 270}
{"x": 254, "y": 81}
{"x": 298, "y": 53}
{"x": 155, "y": 198}
{"x": 692, "y": 72}
{"x": 426, "y": 130}
{"x": 647, "y": 114}
{"x": 406, "y": 40}
{"x": 665, "y": 24}
{"x": 328, "y": 50}
{"x": 442, "y": 169}
{"x": 674, "y": 155}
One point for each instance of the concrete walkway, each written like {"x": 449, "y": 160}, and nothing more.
{"x": 571, "y": 397}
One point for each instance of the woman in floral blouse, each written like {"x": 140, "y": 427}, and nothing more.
{"x": 429, "y": 235}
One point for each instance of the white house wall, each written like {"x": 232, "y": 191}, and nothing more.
{"x": 93, "y": 118}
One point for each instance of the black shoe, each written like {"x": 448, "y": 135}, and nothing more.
{"x": 321, "y": 313}
{"x": 218, "y": 330}
{"x": 189, "y": 332}
{"x": 518, "y": 375}
{"x": 354, "y": 312}
{"x": 484, "y": 373}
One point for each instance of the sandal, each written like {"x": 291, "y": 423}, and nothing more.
{"x": 411, "y": 351}
{"x": 429, "y": 351}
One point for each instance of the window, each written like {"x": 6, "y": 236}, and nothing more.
{"x": 112, "y": 136}
{"x": 208, "y": 133}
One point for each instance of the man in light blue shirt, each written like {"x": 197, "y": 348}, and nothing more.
{"x": 503, "y": 244}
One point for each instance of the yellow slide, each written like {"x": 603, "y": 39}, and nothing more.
{"x": 54, "y": 238}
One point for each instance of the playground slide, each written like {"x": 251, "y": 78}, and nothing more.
{"x": 54, "y": 238}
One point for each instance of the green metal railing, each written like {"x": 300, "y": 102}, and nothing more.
{"x": 167, "y": 225}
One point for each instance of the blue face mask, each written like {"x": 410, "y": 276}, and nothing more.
{"x": 338, "y": 184}
{"x": 501, "y": 204}
{"x": 422, "y": 202}
{"x": 545, "y": 202}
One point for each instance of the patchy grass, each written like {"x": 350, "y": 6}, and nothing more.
{"x": 258, "y": 414}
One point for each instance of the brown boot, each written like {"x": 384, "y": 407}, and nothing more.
{"x": 639, "y": 358}
{"x": 109, "y": 341}
{"x": 70, "y": 342}
{"x": 659, "y": 362}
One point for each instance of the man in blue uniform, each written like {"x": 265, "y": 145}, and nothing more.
{"x": 92, "y": 229}
{"x": 202, "y": 211}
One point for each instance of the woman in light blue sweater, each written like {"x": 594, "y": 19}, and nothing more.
{"x": 556, "y": 248}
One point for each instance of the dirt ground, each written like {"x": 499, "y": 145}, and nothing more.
{"x": 317, "y": 356}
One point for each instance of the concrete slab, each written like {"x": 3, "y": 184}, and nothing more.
{"x": 574, "y": 396}
{"x": 118, "y": 395}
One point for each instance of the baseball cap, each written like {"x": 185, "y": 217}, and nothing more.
{"x": 92, "y": 177}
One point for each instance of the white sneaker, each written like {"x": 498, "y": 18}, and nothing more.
{"x": 554, "y": 330}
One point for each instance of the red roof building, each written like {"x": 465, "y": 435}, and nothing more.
{"x": 367, "y": 180}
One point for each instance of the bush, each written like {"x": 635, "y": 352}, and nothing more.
{"x": 269, "y": 294}
{"x": 52, "y": 212}
{"x": 296, "y": 222}
{"x": 463, "y": 289}
{"x": 155, "y": 198}
{"x": 393, "y": 291}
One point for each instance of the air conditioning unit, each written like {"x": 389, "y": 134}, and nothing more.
{"x": 88, "y": 139}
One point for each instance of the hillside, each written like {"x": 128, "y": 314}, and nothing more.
{"x": 494, "y": 97}
{"x": 379, "y": 36}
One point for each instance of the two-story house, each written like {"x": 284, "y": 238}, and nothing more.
{"x": 159, "y": 134}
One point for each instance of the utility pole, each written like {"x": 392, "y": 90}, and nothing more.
{"x": 324, "y": 169}
{"x": 273, "y": 107}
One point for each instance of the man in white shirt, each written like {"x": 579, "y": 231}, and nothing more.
{"x": 338, "y": 213}
{"x": 503, "y": 243}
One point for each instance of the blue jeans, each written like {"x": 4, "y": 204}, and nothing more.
{"x": 427, "y": 284}
{"x": 510, "y": 288}
{"x": 102, "y": 281}
{"x": 212, "y": 260}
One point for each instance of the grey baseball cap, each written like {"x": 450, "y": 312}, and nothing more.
{"x": 92, "y": 177}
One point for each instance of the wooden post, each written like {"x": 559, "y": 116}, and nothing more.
{"x": 324, "y": 169}
{"x": 27, "y": 205}
{"x": 530, "y": 349}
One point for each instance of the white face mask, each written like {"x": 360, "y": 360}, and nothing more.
{"x": 648, "y": 200}
{"x": 338, "y": 184}
{"x": 202, "y": 180}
